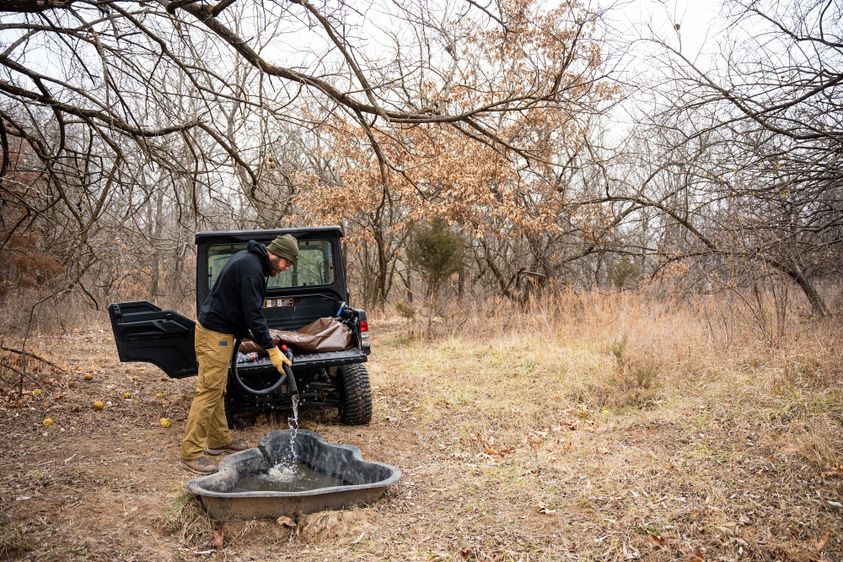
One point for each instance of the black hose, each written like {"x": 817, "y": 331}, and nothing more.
{"x": 291, "y": 380}
{"x": 286, "y": 377}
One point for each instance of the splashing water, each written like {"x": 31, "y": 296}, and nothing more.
{"x": 292, "y": 478}
{"x": 287, "y": 470}
{"x": 282, "y": 472}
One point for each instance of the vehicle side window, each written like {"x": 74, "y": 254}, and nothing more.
{"x": 315, "y": 265}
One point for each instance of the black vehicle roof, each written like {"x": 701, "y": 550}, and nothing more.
{"x": 245, "y": 235}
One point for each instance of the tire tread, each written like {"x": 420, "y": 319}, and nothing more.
{"x": 356, "y": 406}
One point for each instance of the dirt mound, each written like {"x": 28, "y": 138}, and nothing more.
{"x": 336, "y": 526}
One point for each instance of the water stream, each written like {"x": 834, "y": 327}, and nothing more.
{"x": 287, "y": 475}
{"x": 293, "y": 422}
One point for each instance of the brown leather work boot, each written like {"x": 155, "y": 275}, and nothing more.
{"x": 199, "y": 466}
{"x": 233, "y": 447}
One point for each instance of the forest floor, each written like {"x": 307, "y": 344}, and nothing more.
{"x": 511, "y": 448}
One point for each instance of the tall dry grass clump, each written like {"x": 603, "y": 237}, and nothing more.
{"x": 636, "y": 348}
{"x": 702, "y": 363}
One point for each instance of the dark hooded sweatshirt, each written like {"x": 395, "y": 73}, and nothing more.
{"x": 235, "y": 303}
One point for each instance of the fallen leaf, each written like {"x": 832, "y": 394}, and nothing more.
{"x": 218, "y": 540}
{"x": 837, "y": 471}
{"x": 545, "y": 510}
{"x": 820, "y": 544}
{"x": 657, "y": 539}
{"x": 285, "y": 521}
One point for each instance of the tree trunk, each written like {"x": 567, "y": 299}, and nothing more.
{"x": 817, "y": 304}
{"x": 382, "y": 272}
{"x": 155, "y": 238}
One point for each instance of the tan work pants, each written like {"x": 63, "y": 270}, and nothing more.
{"x": 206, "y": 425}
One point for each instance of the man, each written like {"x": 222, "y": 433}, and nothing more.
{"x": 232, "y": 309}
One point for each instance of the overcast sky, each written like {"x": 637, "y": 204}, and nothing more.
{"x": 631, "y": 26}
{"x": 699, "y": 21}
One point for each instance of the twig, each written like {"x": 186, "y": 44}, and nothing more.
{"x": 29, "y": 354}
{"x": 20, "y": 373}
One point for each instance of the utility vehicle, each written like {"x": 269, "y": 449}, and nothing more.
{"x": 315, "y": 287}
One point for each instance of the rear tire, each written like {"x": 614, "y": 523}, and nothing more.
{"x": 356, "y": 404}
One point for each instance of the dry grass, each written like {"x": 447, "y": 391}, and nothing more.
{"x": 583, "y": 427}
{"x": 667, "y": 412}
{"x": 186, "y": 519}
{"x": 13, "y": 541}
{"x": 629, "y": 349}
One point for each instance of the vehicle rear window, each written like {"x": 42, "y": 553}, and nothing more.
{"x": 315, "y": 265}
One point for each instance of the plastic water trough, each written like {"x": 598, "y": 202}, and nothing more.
{"x": 347, "y": 480}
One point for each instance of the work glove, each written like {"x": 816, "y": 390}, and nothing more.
{"x": 278, "y": 359}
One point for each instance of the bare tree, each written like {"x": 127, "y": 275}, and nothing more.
{"x": 113, "y": 100}
{"x": 743, "y": 165}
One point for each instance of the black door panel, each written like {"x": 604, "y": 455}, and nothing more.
{"x": 143, "y": 332}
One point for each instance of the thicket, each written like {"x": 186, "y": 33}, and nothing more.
{"x": 493, "y": 127}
